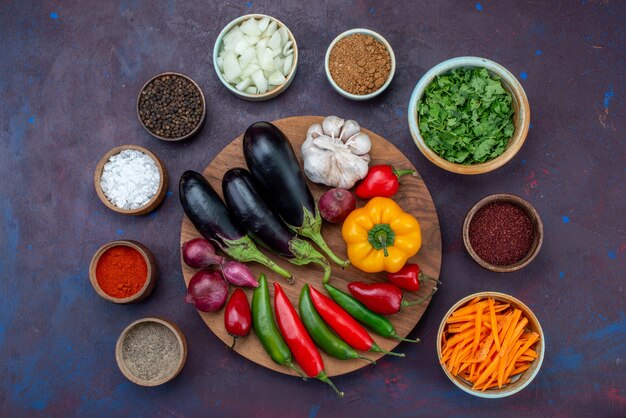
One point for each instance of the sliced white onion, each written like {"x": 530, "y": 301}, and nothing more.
{"x": 271, "y": 28}
{"x": 220, "y": 62}
{"x": 232, "y": 69}
{"x": 244, "y": 84}
{"x": 233, "y": 35}
{"x": 251, "y": 68}
{"x": 250, "y": 27}
{"x": 264, "y": 23}
{"x": 278, "y": 63}
{"x": 248, "y": 56}
{"x": 286, "y": 48}
{"x": 287, "y": 65}
{"x": 241, "y": 46}
{"x": 276, "y": 78}
{"x": 275, "y": 41}
{"x": 284, "y": 36}
{"x": 267, "y": 60}
{"x": 259, "y": 81}
{"x": 252, "y": 40}
{"x": 251, "y": 90}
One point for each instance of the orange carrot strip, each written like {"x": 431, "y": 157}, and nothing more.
{"x": 461, "y": 336}
{"x": 520, "y": 369}
{"x": 479, "y": 320}
{"x": 492, "y": 385}
{"x": 531, "y": 353}
{"x": 485, "y": 347}
{"x": 494, "y": 326}
{"x": 518, "y": 356}
{"x": 490, "y": 369}
{"x": 516, "y": 334}
{"x": 475, "y": 300}
{"x": 509, "y": 331}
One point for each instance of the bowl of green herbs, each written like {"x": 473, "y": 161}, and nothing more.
{"x": 469, "y": 115}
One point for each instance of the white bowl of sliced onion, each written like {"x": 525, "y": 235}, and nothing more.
{"x": 255, "y": 56}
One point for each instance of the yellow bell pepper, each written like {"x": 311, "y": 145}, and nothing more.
{"x": 380, "y": 236}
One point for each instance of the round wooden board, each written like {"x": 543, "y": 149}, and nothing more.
{"x": 413, "y": 197}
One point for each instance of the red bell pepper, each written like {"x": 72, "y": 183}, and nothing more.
{"x": 237, "y": 316}
{"x": 382, "y": 298}
{"x": 298, "y": 340}
{"x": 346, "y": 327}
{"x": 410, "y": 278}
{"x": 381, "y": 180}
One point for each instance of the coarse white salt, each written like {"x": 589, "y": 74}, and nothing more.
{"x": 130, "y": 179}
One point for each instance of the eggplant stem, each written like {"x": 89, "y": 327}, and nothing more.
{"x": 305, "y": 254}
{"x": 244, "y": 250}
{"x": 319, "y": 241}
{"x": 376, "y": 348}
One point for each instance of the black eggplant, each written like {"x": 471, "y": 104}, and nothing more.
{"x": 263, "y": 225}
{"x": 272, "y": 161}
{"x": 209, "y": 215}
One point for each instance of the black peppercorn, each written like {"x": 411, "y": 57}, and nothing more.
{"x": 170, "y": 106}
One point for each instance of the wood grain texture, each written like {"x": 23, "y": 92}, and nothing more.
{"x": 413, "y": 197}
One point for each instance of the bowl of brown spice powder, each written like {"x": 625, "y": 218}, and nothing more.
{"x": 360, "y": 64}
{"x": 503, "y": 233}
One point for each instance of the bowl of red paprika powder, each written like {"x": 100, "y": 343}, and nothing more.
{"x": 123, "y": 272}
{"x": 503, "y": 233}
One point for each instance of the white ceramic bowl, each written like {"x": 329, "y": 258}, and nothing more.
{"x": 520, "y": 104}
{"x": 270, "y": 94}
{"x": 341, "y": 91}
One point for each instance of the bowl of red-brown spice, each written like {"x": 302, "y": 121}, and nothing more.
{"x": 123, "y": 271}
{"x": 503, "y": 233}
{"x": 360, "y": 64}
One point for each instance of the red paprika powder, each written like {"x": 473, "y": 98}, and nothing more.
{"x": 121, "y": 271}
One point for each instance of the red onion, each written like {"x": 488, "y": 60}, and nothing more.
{"x": 238, "y": 274}
{"x": 199, "y": 253}
{"x": 336, "y": 204}
{"x": 207, "y": 291}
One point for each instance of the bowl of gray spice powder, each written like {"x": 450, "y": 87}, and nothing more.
{"x": 151, "y": 351}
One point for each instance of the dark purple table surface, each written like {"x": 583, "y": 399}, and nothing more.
{"x": 70, "y": 74}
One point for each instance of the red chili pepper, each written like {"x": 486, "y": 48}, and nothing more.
{"x": 381, "y": 180}
{"x": 344, "y": 325}
{"x": 410, "y": 278}
{"x": 298, "y": 340}
{"x": 382, "y": 298}
{"x": 237, "y": 316}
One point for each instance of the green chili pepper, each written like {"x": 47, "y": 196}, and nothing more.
{"x": 321, "y": 334}
{"x": 377, "y": 323}
{"x": 265, "y": 328}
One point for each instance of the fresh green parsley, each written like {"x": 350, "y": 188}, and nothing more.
{"x": 466, "y": 116}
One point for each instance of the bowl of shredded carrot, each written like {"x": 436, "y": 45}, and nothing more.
{"x": 490, "y": 345}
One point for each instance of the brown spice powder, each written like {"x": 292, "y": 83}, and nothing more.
{"x": 359, "y": 64}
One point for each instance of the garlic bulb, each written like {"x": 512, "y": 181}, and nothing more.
{"x": 336, "y": 153}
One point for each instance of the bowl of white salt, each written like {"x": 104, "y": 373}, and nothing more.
{"x": 130, "y": 180}
{"x": 151, "y": 351}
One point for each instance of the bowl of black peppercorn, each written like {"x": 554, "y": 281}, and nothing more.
{"x": 171, "y": 107}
